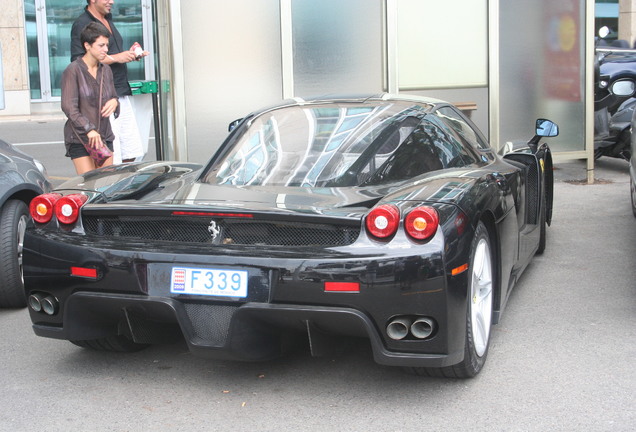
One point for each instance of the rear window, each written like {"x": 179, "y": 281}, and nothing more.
{"x": 317, "y": 145}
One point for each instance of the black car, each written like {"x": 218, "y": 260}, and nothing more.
{"x": 384, "y": 217}
{"x": 22, "y": 178}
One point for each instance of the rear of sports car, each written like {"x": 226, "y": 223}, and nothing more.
{"x": 375, "y": 217}
{"x": 237, "y": 283}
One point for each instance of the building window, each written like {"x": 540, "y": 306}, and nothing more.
{"x": 48, "y": 31}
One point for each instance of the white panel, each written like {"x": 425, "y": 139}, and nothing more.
{"x": 442, "y": 43}
{"x": 232, "y": 65}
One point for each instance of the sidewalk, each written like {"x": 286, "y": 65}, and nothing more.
{"x": 606, "y": 170}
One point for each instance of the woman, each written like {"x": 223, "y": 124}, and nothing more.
{"x": 88, "y": 99}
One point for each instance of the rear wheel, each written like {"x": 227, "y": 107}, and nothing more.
{"x": 479, "y": 310}
{"x": 480, "y": 305}
{"x": 13, "y": 221}
{"x": 116, "y": 343}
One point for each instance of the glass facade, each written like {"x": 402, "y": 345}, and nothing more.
{"x": 48, "y": 31}
{"x": 542, "y": 74}
{"x": 333, "y": 40}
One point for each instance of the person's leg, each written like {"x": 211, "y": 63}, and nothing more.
{"x": 107, "y": 162}
{"x": 84, "y": 164}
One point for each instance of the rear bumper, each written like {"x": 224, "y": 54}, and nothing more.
{"x": 252, "y": 331}
{"x": 131, "y": 296}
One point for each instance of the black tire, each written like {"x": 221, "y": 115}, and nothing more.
{"x": 13, "y": 219}
{"x": 475, "y": 348}
{"x": 117, "y": 343}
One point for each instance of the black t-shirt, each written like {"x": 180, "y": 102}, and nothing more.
{"x": 115, "y": 46}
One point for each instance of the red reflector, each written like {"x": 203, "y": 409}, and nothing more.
{"x": 84, "y": 272}
{"x": 460, "y": 269}
{"x": 342, "y": 287}
{"x": 212, "y": 214}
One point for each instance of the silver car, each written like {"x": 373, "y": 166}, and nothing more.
{"x": 21, "y": 179}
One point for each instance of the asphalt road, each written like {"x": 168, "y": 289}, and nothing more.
{"x": 562, "y": 359}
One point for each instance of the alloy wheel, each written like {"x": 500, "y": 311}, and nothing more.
{"x": 481, "y": 297}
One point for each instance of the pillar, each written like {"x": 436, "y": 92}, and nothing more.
{"x": 627, "y": 21}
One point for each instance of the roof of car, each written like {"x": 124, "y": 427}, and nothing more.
{"x": 352, "y": 98}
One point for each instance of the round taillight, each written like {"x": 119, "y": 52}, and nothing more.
{"x": 41, "y": 207}
{"x": 421, "y": 222}
{"x": 67, "y": 208}
{"x": 383, "y": 221}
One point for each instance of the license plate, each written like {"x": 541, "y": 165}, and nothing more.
{"x": 209, "y": 282}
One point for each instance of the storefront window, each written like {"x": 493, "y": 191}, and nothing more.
{"x": 48, "y": 29}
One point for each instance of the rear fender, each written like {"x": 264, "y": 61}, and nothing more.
{"x": 548, "y": 181}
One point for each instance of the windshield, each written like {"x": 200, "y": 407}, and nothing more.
{"x": 317, "y": 145}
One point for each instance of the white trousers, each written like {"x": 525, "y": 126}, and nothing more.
{"x": 127, "y": 144}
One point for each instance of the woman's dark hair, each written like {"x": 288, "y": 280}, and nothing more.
{"x": 92, "y": 31}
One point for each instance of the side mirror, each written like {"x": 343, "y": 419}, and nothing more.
{"x": 624, "y": 87}
{"x": 234, "y": 124}
{"x": 547, "y": 128}
{"x": 603, "y": 32}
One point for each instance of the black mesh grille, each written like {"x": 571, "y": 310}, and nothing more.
{"x": 210, "y": 323}
{"x": 230, "y": 231}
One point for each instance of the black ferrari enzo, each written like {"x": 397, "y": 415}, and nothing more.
{"x": 385, "y": 217}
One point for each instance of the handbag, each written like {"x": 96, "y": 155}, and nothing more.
{"x": 99, "y": 154}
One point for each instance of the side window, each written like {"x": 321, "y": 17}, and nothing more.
{"x": 457, "y": 122}
{"x": 451, "y": 148}
{"x": 430, "y": 147}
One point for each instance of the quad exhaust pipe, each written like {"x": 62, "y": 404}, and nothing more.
{"x": 402, "y": 327}
{"x": 44, "y": 303}
{"x": 398, "y": 328}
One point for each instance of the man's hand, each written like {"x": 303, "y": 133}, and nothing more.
{"x": 122, "y": 57}
{"x": 109, "y": 107}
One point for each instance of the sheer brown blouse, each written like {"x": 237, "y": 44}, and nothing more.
{"x": 80, "y": 101}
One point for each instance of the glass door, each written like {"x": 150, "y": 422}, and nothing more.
{"x": 48, "y": 29}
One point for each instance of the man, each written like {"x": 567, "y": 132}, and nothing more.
{"x": 125, "y": 126}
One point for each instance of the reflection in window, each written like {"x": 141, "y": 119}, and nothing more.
{"x": 454, "y": 120}
{"x": 32, "y": 49}
{"x": 320, "y": 146}
{"x": 432, "y": 146}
